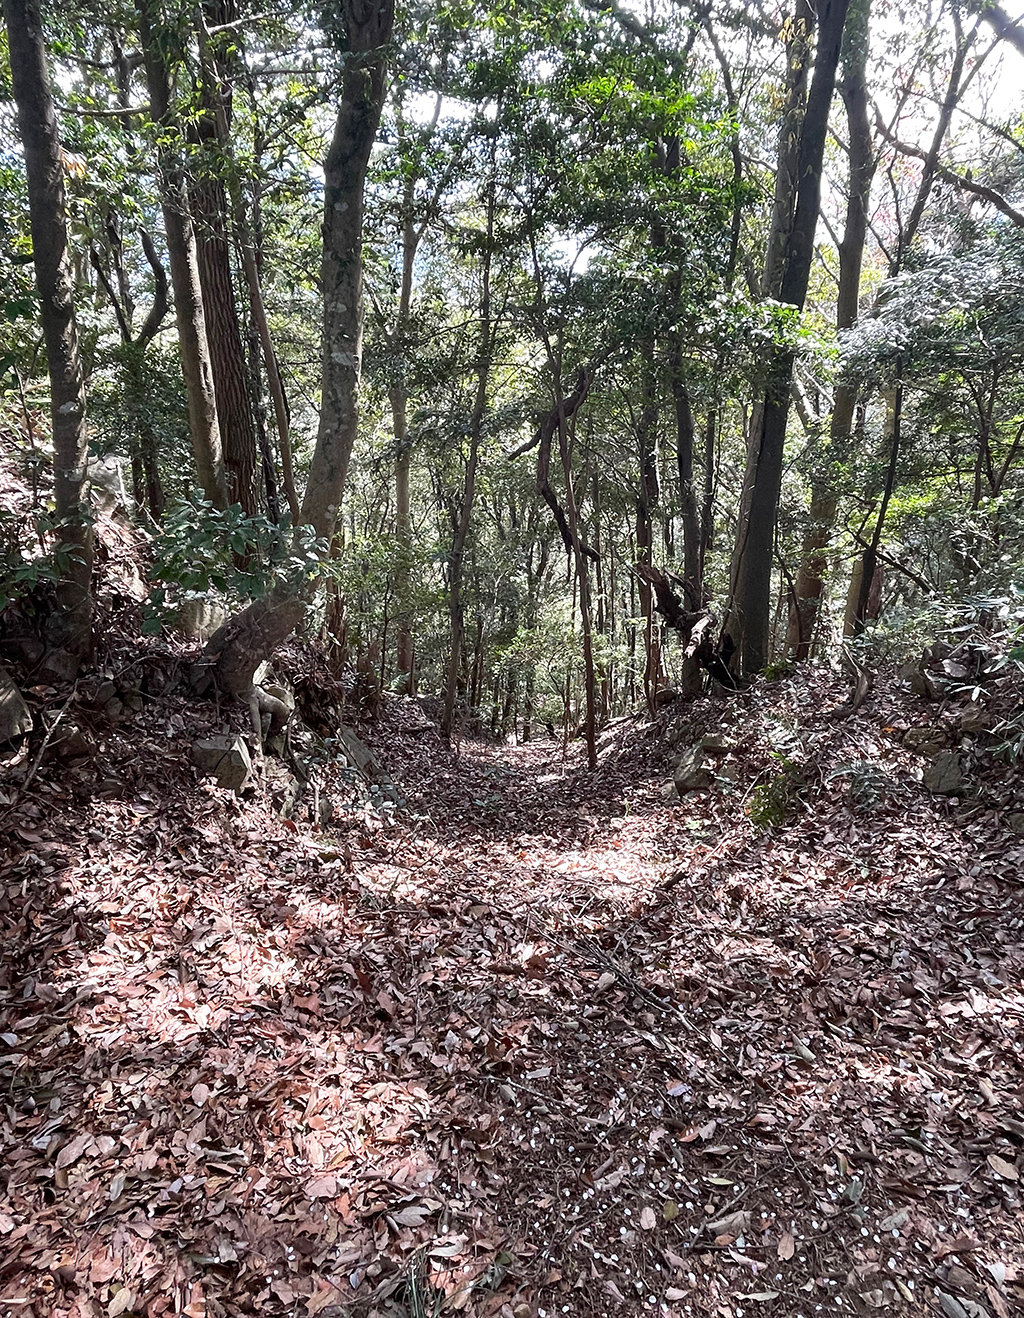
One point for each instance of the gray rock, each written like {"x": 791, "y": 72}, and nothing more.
{"x": 225, "y": 758}
{"x": 692, "y": 773}
{"x": 24, "y": 650}
{"x": 944, "y": 776}
{"x": 927, "y": 739}
{"x": 198, "y": 619}
{"x": 1015, "y": 822}
{"x": 277, "y": 704}
{"x": 974, "y": 718}
{"x": 923, "y": 683}
{"x": 284, "y": 788}
{"x": 15, "y": 718}
{"x": 57, "y": 667}
{"x": 715, "y": 744}
{"x": 71, "y": 743}
{"x": 359, "y": 755}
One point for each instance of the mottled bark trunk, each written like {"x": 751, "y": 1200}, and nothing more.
{"x": 255, "y": 633}
{"x": 403, "y": 529}
{"x": 810, "y": 577}
{"x": 44, "y": 169}
{"x": 689, "y": 513}
{"x": 458, "y": 551}
{"x": 647, "y": 502}
{"x": 749, "y": 613}
{"x": 181, "y": 252}
{"x": 368, "y": 27}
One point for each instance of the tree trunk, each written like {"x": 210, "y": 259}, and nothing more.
{"x": 693, "y": 574}
{"x": 749, "y": 613}
{"x": 647, "y": 502}
{"x": 44, "y": 169}
{"x": 368, "y": 28}
{"x": 403, "y": 528}
{"x": 871, "y": 565}
{"x": 209, "y": 202}
{"x": 240, "y": 453}
{"x": 810, "y": 577}
{"x": 255, "y": 633}
{"x": 583, "y": 580}
{"x": 455, "y": 608}
{"x": 194, "y": 347}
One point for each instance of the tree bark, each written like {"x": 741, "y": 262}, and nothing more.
{"x": 44, "y": 169}
{"x": 749, "y": 613}
{"x": 368, "y": 25}
{"x": 181, "y": 252}
{"x": 208, "y": 198}
{"x": 242, "y": 454}
{"x": 255, "y": 633}
{"x": 810, "y": 577}
{"x": 455, "y": 562}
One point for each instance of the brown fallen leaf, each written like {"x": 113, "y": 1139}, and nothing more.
{"x": 648, "y": 1219}
{"x": 733, "y": 1224}
{"x": 787, "y": 1245}
{"x": 1003, "y": 1168}
{"x": 73, "y": 1150}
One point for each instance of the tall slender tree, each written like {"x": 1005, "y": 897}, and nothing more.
{"x": 44, "y": 168}
{"x": 159, "y": 42}
{"x": 366, "y": 27}
{"x": 749, "y": 610}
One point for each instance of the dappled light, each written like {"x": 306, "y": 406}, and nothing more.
{"x": 511, "y": 659}
{"x": 526, "y": 1050}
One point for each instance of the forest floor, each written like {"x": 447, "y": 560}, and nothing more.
{"x": 546, "y": 1043}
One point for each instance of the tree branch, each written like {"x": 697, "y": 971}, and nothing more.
{"x": 958, "y": 180}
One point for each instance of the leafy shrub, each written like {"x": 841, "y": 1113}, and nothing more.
{"x": 771, "y": 800}
{"x": 203, "y": 552}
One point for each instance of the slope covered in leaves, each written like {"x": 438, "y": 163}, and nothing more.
{"x": 545, "y": 1043}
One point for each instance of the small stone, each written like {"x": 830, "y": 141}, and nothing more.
{"x": 225, "y": 758}
{"x": 24, "y": 650}
{"x": 974, "y": 718}
{"x": 691, "y": 773}
{"x": 1015, "y": 822}
{"x": 71, "y": 743}
{"x": 944, "y": 776}
{"x": 928, "y": 739}
{"x": 284, "y": 788}
{"x": 359, "y": 755}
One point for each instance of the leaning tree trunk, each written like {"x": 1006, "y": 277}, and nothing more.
{"x": 246, "y": 640}
{"x": 48, "y": 214}
{"x": 749, "y": 615}
{"x": 342, "y": 269}
{"x": 810, "y": 577}
{"x": 181, "y": 253}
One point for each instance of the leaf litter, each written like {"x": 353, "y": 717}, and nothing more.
{"x": 537, "y": 1043}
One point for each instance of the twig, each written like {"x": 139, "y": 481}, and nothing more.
{"x": 46, "y": 741}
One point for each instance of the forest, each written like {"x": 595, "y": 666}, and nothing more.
{"x": 511, "y": 658}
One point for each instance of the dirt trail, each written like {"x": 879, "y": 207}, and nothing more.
{"x": 543, "y": 1045}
